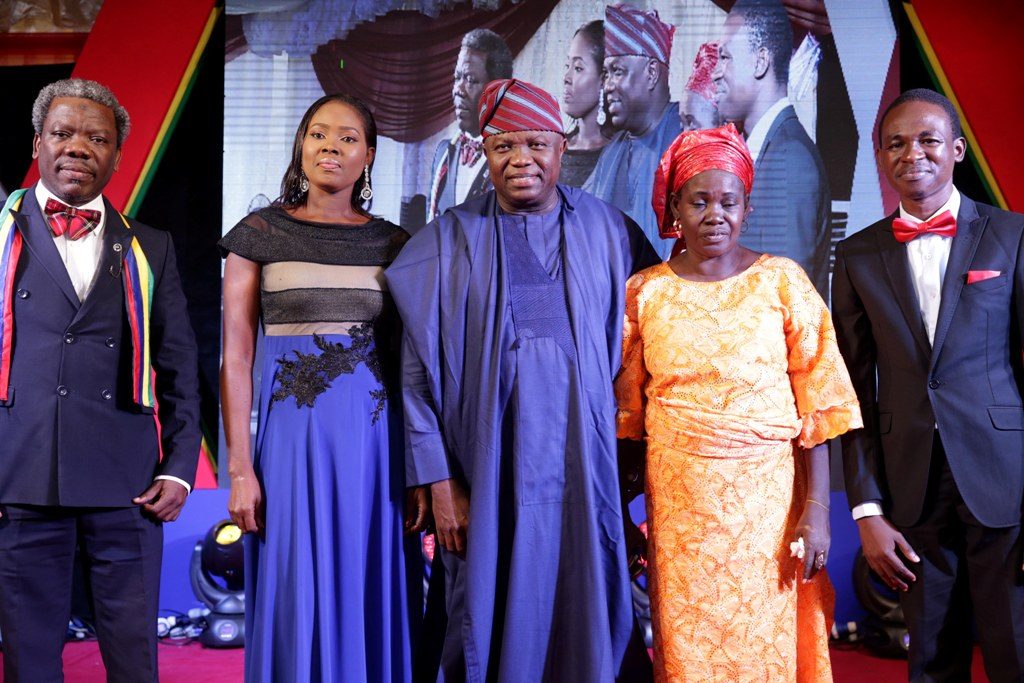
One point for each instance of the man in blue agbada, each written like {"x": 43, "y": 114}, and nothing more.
{"x": 637, "y": 45}
{"x": 513, "y": 305}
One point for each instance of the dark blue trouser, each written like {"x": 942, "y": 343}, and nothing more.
{"x": 121, "y": 552}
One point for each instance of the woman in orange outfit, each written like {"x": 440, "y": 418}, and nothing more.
{"x": 732, "y": 374}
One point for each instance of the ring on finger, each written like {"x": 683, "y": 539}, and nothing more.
{"x": 819, "y": 560}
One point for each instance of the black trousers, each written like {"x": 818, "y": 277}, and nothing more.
{"x": 121, "y": 552}
{"x": 967, "y": 569}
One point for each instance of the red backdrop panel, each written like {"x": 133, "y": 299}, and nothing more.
{"x": 141, "y": 51}
{"x": 981, "y": 52}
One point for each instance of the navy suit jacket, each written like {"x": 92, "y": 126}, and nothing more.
{"x": 968, "y": 382}
{"x": 790, "y": 200}
{"x": 70, "y": 431}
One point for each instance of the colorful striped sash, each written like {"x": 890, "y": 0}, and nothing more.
{"x": 10, "y": 251}
{"x": 138, "y": 301}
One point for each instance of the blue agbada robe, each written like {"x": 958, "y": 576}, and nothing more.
{"x": 544, "y": 592}
{"x": 624, "y": 174}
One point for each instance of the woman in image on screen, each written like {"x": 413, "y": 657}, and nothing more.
{"x": 584, "y": 102}
{"x": 699, "y": 108}
{"x": 331, "y": 580}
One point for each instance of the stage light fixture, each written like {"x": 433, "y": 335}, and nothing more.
{"x": 219, "y": 558}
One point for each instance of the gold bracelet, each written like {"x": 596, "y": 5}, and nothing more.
{"x": 811, "y": 500}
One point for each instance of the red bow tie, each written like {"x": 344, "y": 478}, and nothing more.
{"x": 68, "y": 219}
{"x": 470, "y": 150}
{"x": 944, "y": 225}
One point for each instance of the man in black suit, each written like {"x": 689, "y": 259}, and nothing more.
{"x": 98, "y": 397}
{"x": 929, "y": 312}
{"x": 459, "y": 168}
{"x": 790, "y": 197}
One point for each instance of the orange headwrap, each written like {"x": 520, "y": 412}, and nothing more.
{"x": 693, "y": 152}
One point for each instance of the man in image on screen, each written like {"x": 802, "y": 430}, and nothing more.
{"x": 790, "y": 187}
{"x": 637, "y": 45}
{"x": 460, "y": 170}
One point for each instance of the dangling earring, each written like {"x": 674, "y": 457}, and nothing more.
{"x": 366, "y": 194}
{"x": 304, "y": 184}
{"x": 600, "y": 107}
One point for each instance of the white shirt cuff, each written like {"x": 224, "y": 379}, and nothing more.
{"x": 188, "y": 489}
{"x": 872, "y": 508}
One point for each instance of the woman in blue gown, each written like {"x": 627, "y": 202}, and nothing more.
{"x": 332, "y": 581}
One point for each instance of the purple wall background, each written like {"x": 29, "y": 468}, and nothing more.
{"x": 202, "y": 510}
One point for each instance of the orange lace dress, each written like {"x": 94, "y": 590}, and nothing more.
{"x": 723, "y": 378}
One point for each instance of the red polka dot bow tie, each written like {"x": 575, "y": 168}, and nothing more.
{"x": 944, "y": 225}
{"x": 68, "y": 219}
{"x": 469, "y": 150}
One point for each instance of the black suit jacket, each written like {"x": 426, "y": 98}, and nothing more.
{"x": 445, "y": 154}
{"x": 790, "y": 200}
{"x": 71, "y": 434}
{"x": 968, "y": 383}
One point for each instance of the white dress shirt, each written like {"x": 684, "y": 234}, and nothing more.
{"x": 81, "y": 257}
{"x": 928, "y": 256}
{"x": 756, "y": 138}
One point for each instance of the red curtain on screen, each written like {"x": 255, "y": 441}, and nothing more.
{"x": 401, "y": 65}
{"x": 234, "y": 37}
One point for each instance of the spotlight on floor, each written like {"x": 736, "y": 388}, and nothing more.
{"x": 216, "y": 573}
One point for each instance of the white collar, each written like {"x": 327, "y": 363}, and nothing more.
{"x": 756, "y": 138}
{"x": 952, "y": 205}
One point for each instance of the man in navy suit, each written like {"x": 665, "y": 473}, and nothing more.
{"x": 790, "y": 197}
{"x": 929, "y": 312}
{"x": 98, "y": 397}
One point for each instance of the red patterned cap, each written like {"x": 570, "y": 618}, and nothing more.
{"x": 508, "y": 105}
{"x": 693, "y": 152}
{"x": 630, "y": 31}
{"x": 703, "y": 66}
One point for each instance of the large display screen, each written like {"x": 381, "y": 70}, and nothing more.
{"x": 283, "y": 55}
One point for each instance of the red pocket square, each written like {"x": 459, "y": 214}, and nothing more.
{"x": 981, "y": 275}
